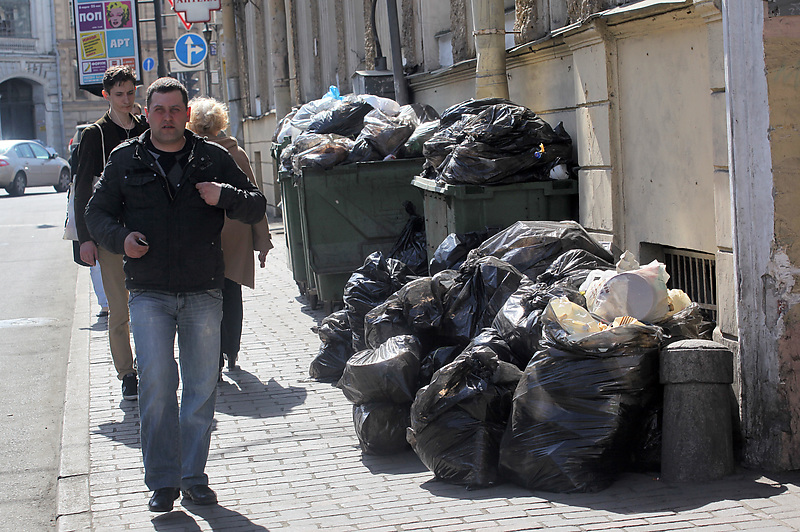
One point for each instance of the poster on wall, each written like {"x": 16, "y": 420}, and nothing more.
{"x": 106, "y": 34}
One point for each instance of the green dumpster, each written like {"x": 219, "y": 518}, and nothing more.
{"x": 290, "y": 206}
{"x": 465, "y": 208}
{"x": 350, "y": 211}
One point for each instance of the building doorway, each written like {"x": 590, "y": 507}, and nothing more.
{"x": 17, "y": 117}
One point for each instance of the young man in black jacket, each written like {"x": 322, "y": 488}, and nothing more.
{"x": 162, "y": 202}
{"x": 117, "y": 125}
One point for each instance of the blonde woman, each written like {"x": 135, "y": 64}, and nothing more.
{"x": 209, "y": 118}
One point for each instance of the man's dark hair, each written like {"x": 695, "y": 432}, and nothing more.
{"x": 117, "y": 74}
{"x": 166, "y": 84}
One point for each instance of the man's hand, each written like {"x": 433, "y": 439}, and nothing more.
{"x": 89, "y": 253}
{"x": 262, "y": 258}
{"x": 209, "y": 191}
{"x": 135, "y": 245}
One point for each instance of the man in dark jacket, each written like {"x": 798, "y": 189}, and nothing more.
{"x": 115, "y": 126}
{"x": 162, "y": 202}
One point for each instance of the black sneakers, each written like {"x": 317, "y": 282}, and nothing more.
{"x": 130, "y": 389}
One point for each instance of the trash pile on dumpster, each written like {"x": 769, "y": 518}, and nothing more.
{"x": 534, "y": 360}
{"x": 493, "y": 141}
{"x": 352, "y": 128}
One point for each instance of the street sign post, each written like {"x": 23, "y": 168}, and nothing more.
{"x": 196, "y": 10}
{"x": 190, "y": 49}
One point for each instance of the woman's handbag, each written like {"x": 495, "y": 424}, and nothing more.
{"x": 70, "y": 232}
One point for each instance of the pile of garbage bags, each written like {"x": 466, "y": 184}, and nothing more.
{"x": 534, "y": 361}
{"x": 352, "y": 128}
{"x": 492, "y": 141}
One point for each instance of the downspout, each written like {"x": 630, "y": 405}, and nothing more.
{"x": 400, "y": 85}
{"x": 231, "y": 68}
{"x": 490, "y": 73}
{"x": 61, "y": 137}
{"x": 280, "y": 58}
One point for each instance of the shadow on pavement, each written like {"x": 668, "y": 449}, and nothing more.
{"x": 217, "y": 516}
{"x": 235, "y": 396}
{"x": 635, "y": 493}
{"x": 125, "y": 431}
{"x": 394, "y": 464}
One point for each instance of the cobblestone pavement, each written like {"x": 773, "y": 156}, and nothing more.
{"x": 284, "y": 455}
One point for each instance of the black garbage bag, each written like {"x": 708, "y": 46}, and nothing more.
{"x": 388, "y": 374}
{"x": 362, "y": 151}
{"x": 572, "y": 267}
{"x": 410, "y": 248}
{"x": 532, "y": 246}
{"x": 457, "y": 421}
{"x": 436, "y": 360}
{"x": 416, "y": 308}
{"x": 443, "y": 141}
{"x": 329, "y": 151}
{"x": 689, "y": 323}
{"x": 480, "y": 290}
{"x": 519, "y": 322}
{"x": 414, "y": 145}
{"x": 368, "y": 287}
{"x": 490, "y": 342}
{"x": 494, "y": 142}
{"x": 336, "y": 348}
{"x": 646, "y": 441}
{"x": 346, "y": 118}
{"x": 452, "y": 252}
{"x": 381, "y": 427}
{"x": 577, "y": 407}
{"x": 468, "y": 107}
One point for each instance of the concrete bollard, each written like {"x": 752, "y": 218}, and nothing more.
{"x": 697, "y": 436}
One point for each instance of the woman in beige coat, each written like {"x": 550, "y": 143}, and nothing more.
{"x": 209, "y": 118}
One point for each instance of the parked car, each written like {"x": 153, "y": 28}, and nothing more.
{"x": 75, "y": 141}
{"x": 26, "y": 163}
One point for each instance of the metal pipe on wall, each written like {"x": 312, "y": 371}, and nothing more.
{"x": 400, "y": 85}
{"x": 490, "y": 47}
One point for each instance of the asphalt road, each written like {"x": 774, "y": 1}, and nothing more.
{"x": 37, "y": 303}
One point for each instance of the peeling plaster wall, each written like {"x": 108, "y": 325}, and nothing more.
{"x": 781, "y": 53}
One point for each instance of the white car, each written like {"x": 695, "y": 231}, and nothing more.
{"x": 26, "y": 163}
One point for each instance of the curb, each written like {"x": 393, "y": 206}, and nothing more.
{"x": 72, "y": 499}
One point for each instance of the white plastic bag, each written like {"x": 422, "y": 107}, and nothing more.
{"x": 641, "y": 294}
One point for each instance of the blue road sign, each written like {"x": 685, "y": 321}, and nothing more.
{"x": 148, "y": 64}
{"x": 190, "y": 49}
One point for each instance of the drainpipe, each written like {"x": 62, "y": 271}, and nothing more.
{"x": 61, "y": 144}
{"x": 280, "y": 58}
{"x": 231, "y": 68}
{"x": 490, "y": 47}
{"x": 400, "y": 86}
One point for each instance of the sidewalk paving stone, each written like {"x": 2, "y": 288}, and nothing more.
{"x": 284, "y": 456}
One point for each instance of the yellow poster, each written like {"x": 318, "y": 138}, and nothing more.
{"x": 93, "y": 46}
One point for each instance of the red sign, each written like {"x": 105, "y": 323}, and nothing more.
{"x": 187, "y": 25}
{"x": 197, "y": 10}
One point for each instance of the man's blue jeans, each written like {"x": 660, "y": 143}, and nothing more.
{"x": 175, "y": 441}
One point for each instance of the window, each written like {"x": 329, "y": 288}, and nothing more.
{"x": 23, "y": 150}
{"x": 39, "y": 151}
{"x": 15, "y": 18}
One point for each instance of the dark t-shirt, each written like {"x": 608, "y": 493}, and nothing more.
{"x": 168, "y": 159}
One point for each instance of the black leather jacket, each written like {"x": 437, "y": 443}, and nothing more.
{"x": 182, "y": 231}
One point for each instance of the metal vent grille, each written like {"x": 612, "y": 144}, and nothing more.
{"x": 695, "y": 274}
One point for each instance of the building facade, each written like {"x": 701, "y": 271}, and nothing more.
{"x": 683, "y": 117}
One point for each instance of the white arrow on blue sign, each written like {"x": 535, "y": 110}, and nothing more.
{"x": 148, "y": 64}
{"x": 190, "y": 49}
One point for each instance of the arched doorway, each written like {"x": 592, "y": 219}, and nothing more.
{"x": 17, "y": 120}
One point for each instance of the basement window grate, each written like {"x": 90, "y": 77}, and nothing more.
{"x": 694, "y": 273}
